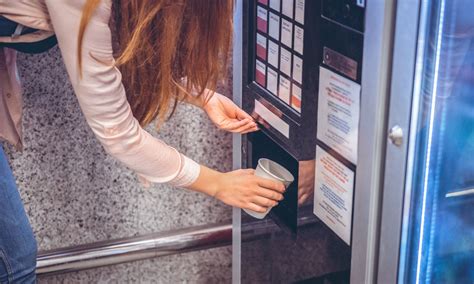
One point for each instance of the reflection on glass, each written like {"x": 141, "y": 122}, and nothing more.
{"x": 440, "y": 238}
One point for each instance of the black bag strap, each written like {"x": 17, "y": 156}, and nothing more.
{"x": 7, "y": 27}
{"x": 11, "y": 28}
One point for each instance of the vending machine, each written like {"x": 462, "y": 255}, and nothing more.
{"x": 298, "y": 70}
{"x": 373, "y": 102}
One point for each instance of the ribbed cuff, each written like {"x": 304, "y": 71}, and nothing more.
{"x": 188, "y": 174}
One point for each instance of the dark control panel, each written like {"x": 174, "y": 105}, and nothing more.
{"x": 302, "y": 66}
{"x": 346, "y": 12}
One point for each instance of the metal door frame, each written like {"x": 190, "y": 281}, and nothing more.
{"x": 376, "y": 77}
{"x": 237, "y": 60}
{"x": 404, "y": 104}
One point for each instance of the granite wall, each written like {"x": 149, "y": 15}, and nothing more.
{"x": 74, "y": 193}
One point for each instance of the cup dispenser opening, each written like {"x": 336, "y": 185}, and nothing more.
{"x": 286, "y": 212}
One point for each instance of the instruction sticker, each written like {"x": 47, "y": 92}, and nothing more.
{"x": 338, "y": 113}
{"x": 285, "y": 61}
{"x": 286, "y": 32}
{"x": 274, "y": 30}
{"x": 260, "y": 73}
{"x": 273, "y": 55}
{"x": 261, "y": 46}
{"x": 272, "y": 81}
{"x": 333, "y": 193}
{"x": 284, "y": 91}
{"x": 262, "y": 19}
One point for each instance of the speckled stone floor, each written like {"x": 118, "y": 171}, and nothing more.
{"x": 74, "y": 193}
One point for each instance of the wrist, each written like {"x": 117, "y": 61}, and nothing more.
{"x": 208, "y": 182}
{"x": 210, "y": 98}
{"x": 201, "y": 100}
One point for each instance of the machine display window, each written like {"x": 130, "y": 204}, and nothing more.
{"x": 278, "y": 41}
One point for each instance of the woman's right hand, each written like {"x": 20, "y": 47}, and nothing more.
{"x": 241, "y": 188}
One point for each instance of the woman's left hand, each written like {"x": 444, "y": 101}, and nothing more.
{"x": 228, "y": 116}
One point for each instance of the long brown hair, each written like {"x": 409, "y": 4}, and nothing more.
{"x": 163, "y": 41}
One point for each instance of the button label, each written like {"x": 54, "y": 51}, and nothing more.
{"x": 262, "y": 19}
{"x": 285, "y": 61}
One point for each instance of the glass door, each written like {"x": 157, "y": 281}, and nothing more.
{"x": 437, "y": 243}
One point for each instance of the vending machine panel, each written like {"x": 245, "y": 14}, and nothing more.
{"x": 290, "y": 49}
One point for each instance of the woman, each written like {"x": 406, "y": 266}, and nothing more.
{"x": 169, "y": 51}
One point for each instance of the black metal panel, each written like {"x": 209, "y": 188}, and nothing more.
{"x": 344, "y": 12}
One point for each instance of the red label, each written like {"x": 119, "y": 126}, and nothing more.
{"x": 262, "y": 25}
{"x": 260, "y": 78}
{"x": 264, "y": 2}
{"x": 261, "y": 52}
{"x": 296, "y": 103}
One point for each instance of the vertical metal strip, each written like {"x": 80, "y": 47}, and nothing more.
{"x": 403, "y": 73}
{"x": 237, "y": 138}
{"x": 378, "y": 38}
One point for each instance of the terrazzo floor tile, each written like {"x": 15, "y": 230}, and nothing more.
{"x": 74, "y": 193}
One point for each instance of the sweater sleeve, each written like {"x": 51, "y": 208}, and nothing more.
{"x": 102, "y": 98}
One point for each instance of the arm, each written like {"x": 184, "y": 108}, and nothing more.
{"x": 101, "y": 96}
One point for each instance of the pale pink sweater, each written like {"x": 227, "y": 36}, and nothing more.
{"x": 100, "y": 92}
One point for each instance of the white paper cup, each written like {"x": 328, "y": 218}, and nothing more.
{"x": 271, "y": 170}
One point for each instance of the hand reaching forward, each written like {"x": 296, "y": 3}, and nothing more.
{"x": 228, "y": 116}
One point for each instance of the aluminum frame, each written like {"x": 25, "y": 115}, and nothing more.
{"x": 237, "y": 138}
{"x": 404, "y": 76}
{"x": 376, "y": 67}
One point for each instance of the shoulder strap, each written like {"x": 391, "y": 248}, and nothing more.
{"x": 9, "y": 28}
